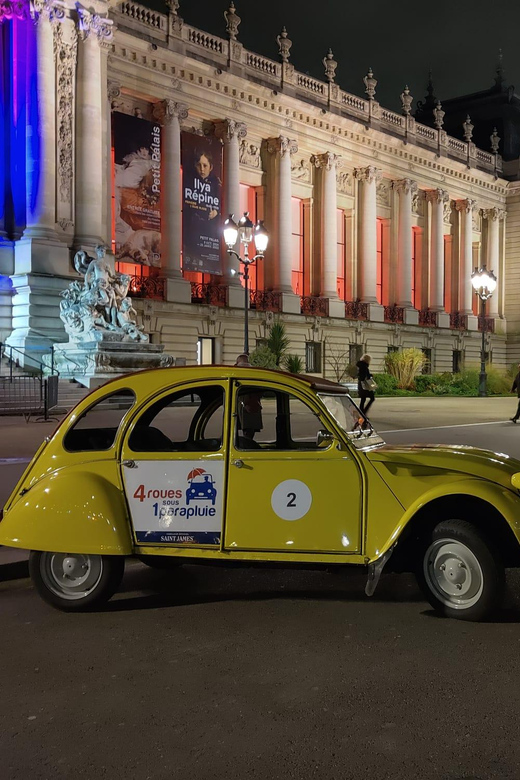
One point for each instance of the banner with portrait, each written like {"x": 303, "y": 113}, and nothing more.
{"x": 201, "y": 203}
{"x": 137, "y": 189}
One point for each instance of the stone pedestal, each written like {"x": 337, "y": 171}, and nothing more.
{"x": 443, "y": 319}
{"x": 411, "y": 316}
{"x": 472, "y": 322}
{"x": 95, "y": 362}
{"x": 291, "y": 303}
{"x": 336, "y": 308}
{"x": 178, "y": 291}
{"x": 376, "y": 312}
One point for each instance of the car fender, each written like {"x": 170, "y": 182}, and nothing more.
{"x": 505, "y": 501}
{"x": 78, "y": 509}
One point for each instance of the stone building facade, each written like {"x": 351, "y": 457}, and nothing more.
{"x": 376, "y": 221}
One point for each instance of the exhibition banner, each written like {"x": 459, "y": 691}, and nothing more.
{"x": 201, "y": 203}
{"x": 137, "y": 189}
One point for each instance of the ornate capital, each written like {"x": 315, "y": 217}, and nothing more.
{"x": 94, "y": 24}
{"x": 466, "y": 205}
{"x": 51, "y": 10}
{"x": 14, "y": 9}
{"x": 436, "y": 196}
{"x": 229, "y": 129}
{"x": 369, "y": 175}
{"x": 281, "y": 145}
{"x": 327, "y": 160}
{"x": 405, "y": 186}
{"x": 494, "y": 213}
{"x": 166, "y": 111}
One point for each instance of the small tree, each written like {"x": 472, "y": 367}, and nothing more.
{"x": 293, "y": 364}
{"x": 278, "y": 341}
{"x": 404, "y": 365}
{"x": 337, "y": 360}
{"x": 263, "y": 358}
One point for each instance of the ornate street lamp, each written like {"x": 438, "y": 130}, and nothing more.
{"x": 484, "y": 283}
{"x": 245, "y": 232}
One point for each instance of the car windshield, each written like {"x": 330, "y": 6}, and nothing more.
{"x": 357, "y": 427}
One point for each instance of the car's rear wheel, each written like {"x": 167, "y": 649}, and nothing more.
{"x": 460, "y": 573}
{"x": 74, "y": 582}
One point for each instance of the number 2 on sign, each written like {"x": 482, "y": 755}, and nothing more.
{"x": 292, "y": 499}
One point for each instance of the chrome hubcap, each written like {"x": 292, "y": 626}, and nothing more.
{"x": 71, "y": 576}
{"x": 453, "y": 574}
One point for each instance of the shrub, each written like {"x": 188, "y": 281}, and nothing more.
{"x": 386, "y": 384}
{"x": 263, "y": 358}
{"x": 278, "y": 341}
{"x": 293, "y": 364}
{"x": 404, "y": 365}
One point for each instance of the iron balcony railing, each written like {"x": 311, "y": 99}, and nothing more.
{"x": 427, "y": 318}
{"x": 265, "y": 300}
{"x": 458, "y": 321}
{"x": 356, "y": 310}
{"x": 394, "y": 314}
{"x": 486, "y": 324}
{"x": 210, "y": 294}
{"x": 148, "y": 287}
{"x": 314, "y": 305}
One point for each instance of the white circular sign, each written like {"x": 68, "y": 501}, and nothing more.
{"x": 291, "y": 499}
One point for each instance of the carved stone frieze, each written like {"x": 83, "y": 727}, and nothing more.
{"x": 417, "y": 202}
{"x": 65, "y": 53}
{"x": 282, "y": 145}
{"x": 300, "y": 169}
{"x": 477, "y": 222}
{"x": 383, "y": 193}
{"x": 447, "y": 211}
{"x": 249, "y": 154}
{"x": 344, "y": 182}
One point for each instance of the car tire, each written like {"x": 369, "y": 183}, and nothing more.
{"x": 164, "y": 562}
{"x": 460, "y": 572}
{"x": 75, "y": 582}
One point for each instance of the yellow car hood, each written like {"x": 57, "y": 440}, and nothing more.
{"x": 444, "y": 461}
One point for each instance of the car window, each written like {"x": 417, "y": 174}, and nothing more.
{"x": 96, "y": 429}
{"x": 275, "y": 420}
{"x": 183, "y": 421}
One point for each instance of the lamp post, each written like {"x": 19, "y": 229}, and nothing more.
{"x": 484, "y": 283}
{"x": 245, "y": 232}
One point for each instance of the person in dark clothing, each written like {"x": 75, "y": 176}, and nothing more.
{"x": 516, "y": 389}
{"x": 364, "y": 375}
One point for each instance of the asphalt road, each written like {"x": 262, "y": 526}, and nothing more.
{"x": 214, "y": 673}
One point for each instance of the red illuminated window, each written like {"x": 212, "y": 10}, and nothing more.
{"x": 297, "y": 245}
{"x": 248, "y": 203}
{"x": 341, "y": 257}
{"x": 447, "y": 274}
{"x": 416, "y": 267}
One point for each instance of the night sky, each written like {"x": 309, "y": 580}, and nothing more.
{"x": 400, "y": 40}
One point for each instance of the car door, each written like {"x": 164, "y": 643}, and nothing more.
{"x": 291, "y": 486}
{"x": 173, "y": 463}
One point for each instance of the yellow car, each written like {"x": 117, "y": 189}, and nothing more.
{"x": 246, "y": 464}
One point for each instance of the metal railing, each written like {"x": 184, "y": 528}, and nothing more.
{"x": 314, "y": 305}
{"x": 458, "y": 321}
{"x": 356, "y": 310}
{"x": 394, "y": 314}
{"x": 427, "y": 318}
{"x": 211, "y": 294}
{"x": 265, "y": 300}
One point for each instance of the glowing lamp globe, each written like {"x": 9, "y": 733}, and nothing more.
{"x": 261, "y": 237}
{"x": 230, "y": 231}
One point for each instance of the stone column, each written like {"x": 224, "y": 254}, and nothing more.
{"x": 230, "y": 133}
{"x": 493, "y": 216}
{"x": 282, "y": 148}
{"x": 368, "y": 178}
{"x": 406, "y": 188}
{"x": 95, "y": 36}
{"x": 465, "y": 211}
{"x": 437, "y": 198}
{"x": 171, "y": 219}
{"x": 41, "y": 171}
{"x": 327, "y": 164}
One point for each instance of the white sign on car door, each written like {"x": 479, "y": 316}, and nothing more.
{"x": 176, "y": 502}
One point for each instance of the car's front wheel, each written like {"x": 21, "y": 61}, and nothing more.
{"x": 74, "y": 582}
{"x": 460, "y": 573}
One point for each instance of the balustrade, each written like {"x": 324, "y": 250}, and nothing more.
{"x": 394, "y": 314}
{"x": 211, "y": 294}
{"x": 427, "y": 318}
{"x": 458, "y": 321}
{"x": 147, "y": 287}
{"x": 486, "y": 324}
{"x": 356, "y": 310}
{"x": 314, "y": 305}
{"x": 265, "y": 300}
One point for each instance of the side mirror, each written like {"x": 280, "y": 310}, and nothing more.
{"x": 324, "y": 437}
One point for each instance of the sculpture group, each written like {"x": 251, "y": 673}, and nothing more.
{"x": 99, "y": 308}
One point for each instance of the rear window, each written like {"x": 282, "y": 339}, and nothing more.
{"x": 97, "y": 428}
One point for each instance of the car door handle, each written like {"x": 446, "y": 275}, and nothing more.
{"x": 130, "y": 464}
{"x": 238, "y": 463}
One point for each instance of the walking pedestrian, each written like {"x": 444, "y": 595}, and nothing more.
{"x": 516, "y": 388}
{"x": 366, "y": 384}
